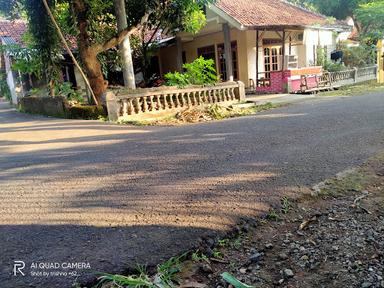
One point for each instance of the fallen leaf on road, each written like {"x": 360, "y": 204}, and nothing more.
{"x": 305, "y": 224}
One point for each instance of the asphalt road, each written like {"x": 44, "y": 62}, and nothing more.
{"x": 113, "y": 196}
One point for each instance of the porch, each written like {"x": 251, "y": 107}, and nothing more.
{"x": 284, "y": 55}
{"x": 267, "y": 59}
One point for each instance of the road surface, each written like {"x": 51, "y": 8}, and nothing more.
{"x": 112, "y": 196}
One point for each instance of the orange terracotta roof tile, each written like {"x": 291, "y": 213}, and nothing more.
{"x": 14, "y": 29}
{"x": 263, "y": 13}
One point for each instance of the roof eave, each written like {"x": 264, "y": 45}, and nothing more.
{"x": 232, "y": 21}
{"x": 294, "y": 27}
{"x": 237, "y": 24}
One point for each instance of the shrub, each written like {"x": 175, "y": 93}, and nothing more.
{"x": 65, "y": 90}
{"x": 176, "y": 79}
{"x": 359, "y": 56}
{"x": 199, "y": 72}
{"x": 332, "y": 66}
{"x": 4, "y": 88}
{"x": 327, "y": 64}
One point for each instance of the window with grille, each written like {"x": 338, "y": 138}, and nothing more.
{"x": 272, "y": 60}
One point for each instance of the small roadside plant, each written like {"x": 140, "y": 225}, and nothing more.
{"x": 199, "y": 72}
{"x": 217, "y": 254}
{"x": 224, "y": 242}
{"x": 272, "y": 215}
{"x": 236, "y": 244}
{"x": 286, "y": 205}
{"x": 199, "y": 257}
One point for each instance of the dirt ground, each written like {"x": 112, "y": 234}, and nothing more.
{"x": 334, "y": 238}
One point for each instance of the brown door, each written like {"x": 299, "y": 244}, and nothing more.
{"x": 222, "y": 65}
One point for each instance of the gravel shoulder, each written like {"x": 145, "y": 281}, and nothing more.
{"x": 334, "y": 237}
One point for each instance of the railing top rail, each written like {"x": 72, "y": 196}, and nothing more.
{"x": 343, "y": 71}
{"x": 124, "y": 94}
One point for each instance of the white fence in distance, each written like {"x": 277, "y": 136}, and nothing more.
{"x": 353, "y": 76}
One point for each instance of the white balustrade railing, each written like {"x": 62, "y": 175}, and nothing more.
{"x": 152, "y": 100}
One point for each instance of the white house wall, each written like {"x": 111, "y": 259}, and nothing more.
{"x": 314, "y": 38}
{"x": 10, "y": 79}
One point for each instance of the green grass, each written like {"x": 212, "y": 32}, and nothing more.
{"x": 217, "y": 254}
{"x": 351, "y": 181}
{"x": 224, "y": 242}
{"x": 357, "y": 89}
{"x": 163, "y": 120}
{"x": 272, "y": 215}
{"x": 166, "y": 276}
{"x": 199, "y": 257}
{"x": 234, "y": 243}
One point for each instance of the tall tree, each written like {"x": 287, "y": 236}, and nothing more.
{"x": 94, "y": 25}
{"x": 371, "y": 16}
{"x": 340, "y": 9}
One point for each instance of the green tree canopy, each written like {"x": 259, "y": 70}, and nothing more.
{"x": 93, "y": 24}
{"x": 371, "y": 17}
{"x": 367, "y": 14}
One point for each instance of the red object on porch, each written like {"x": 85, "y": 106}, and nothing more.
{"x": 296, "y": 83}
{"x": 278, "y": 83}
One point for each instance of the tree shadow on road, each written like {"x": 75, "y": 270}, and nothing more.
{"x": 85, "y": 194}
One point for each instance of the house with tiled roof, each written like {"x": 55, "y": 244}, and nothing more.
{"x": 259, "y": 42}
{"x": 13, "y": 30}
{"x": 11, "y": 33}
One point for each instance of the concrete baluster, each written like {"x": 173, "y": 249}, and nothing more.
{"x": 131, "y": 110}
{"x": 145, "y": 104}
{"x": 125, "y": 108}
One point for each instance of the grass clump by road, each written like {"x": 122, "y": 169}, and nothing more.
{"x": 167, "y": 276}
{"x": 357, "y": 89}
{"x": 203, "y": 114}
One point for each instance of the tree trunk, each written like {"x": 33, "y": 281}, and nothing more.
{"x": 93, "y": 70}
{"x": 88, "y": 53}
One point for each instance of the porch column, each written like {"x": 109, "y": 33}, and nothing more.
{"x": 179, "y": 54}
{"x": 283, "y": 52}
{"x": 257, "y": 60}
{"x": 228, "y": 52}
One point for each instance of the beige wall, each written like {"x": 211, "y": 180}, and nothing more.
{"x": 168, "y": 54}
